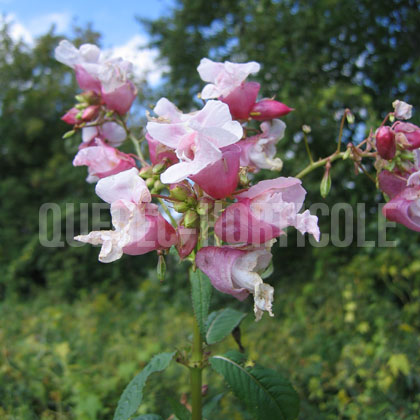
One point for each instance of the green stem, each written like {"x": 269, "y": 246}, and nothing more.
{"x": 319, "y": 164}
{"x": 196, "y": 373}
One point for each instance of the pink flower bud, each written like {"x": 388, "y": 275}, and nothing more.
{"x": 120, "y": 99}
{"x": 268, "y": 109}
{"x": 90, "y": 113}
{"x": 408, "y": 135}
{"x": 220, "y": 179}
{"x": 242, "y": 99}
{"x": 404, "y": 208}
{"x": 70, "y": 116}
{"x": 385, "y": 143}
{"x": 187, "y": 240}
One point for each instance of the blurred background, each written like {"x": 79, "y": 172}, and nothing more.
{"x": 73, "y": 332}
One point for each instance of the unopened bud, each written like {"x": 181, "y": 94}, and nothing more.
{"x": 159, "y": 168}
{"x": 181, "y": 206}
{"x": 146, "y": 172}
{"x": 69, "y": 134}
{"x": 204, "y": 206}
{"x": 191, "y": 219}
{"x": 90, "y": 113}
{"x": 158, "y": 186}
{"x": 385, "y": 143}
{"x": 350, "y": 117}
{"x": 150, "y": 182}
{"x": 325, "y": 186}
{"x": 161, "y": 268}
{"x": 306, "y": 129}
{"x": 268, "y": 109}
{"x": 179, "y": 192}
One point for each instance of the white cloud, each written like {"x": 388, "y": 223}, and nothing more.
{"x": 17, "y": 31}
{"x": 41, "y": 24}
{"x": 144, "y": 59}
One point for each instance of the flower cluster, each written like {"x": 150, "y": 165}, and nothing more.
{"x": 398, "y": 161}
{"x": 202, "y": 166}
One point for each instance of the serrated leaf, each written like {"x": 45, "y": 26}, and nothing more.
{"x": 132, "y": 396}
{"x": 201, "y": 289}
{"x": 266, "y": 394}
{"x": 181, "y": 412}
{"x": 221, "y": 323}
{"x": 148, "y": 417}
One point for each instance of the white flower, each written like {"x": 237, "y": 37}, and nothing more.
{"x": 403, "y": 110}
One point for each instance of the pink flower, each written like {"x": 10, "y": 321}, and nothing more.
{"x": 187, "y": 240}
{"x": 259, "y": 151}
{"x": 158, "y": 152}
{"x": 391, "y": 183}
{"x": 110, "y": 131}
{"x": 407, "y": 135}
{"x": 108, "y": 77}
{"x": 242, "y": 99}
{"x": 404, "y": 208}
{"x": 236, "y": 272}
{"x": 385, "y": 143}
{"x": 264, "y": 210}
{"x": 138, "y": 226}
{"x": 220, "y": 179}
{"x": 224, "y": 77}
{"x": 197, "y": 137}
{"x": 103, "y": 160}
{"x": 267, "y": 109}
{"x": 403, "y": 110}
{"x": 70, "y": 117}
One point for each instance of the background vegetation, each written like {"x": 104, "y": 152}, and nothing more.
{"x": 73, "y": 331}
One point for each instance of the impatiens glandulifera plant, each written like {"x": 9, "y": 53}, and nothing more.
{"x": 201, "y": 177}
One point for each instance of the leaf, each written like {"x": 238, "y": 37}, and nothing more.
{"x": 211, "y": 406}
{"x": 132, "y": 396}
{"x": 266, "y": 394}
{"x": 148, "y": 417}
{"x": 221, "y": 323}
{"x": 180, "y": 411}
{"x": 201, "y": 293}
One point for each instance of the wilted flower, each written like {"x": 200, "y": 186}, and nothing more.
{"x": 403, "y": 110}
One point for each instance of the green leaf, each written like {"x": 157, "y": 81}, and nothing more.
{"x": 221, "y": 323}
{"x": 148, "y": 417}
{"x": 201, "y": 293}
{"x": 181, "y": 412}
{"x": 132, "y": 396}
{"x": 209, "y": 408}
{"x": 266, "y": 394}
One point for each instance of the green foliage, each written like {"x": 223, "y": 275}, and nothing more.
{"x": 201, "y": 290}
{"x": 132, "y": 396}
{"x": 221, "y": 323}
{"x": 266, "y": 394}
{"x": 148, "y": 417}
{"x": 181, "y": 412}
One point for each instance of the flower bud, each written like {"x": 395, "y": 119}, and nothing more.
{"x": 159, "y": 168}
{"x": 158, "y": 186}
{"x": 69, "y": 134}
{"x": 191, "y": 219}
{"x": 268, "y": 109}
{"x": 70, "y": 117}
{"x": 150, "y": 182}
{"x": 146, "y": 172}
{"x": 325, "y": 186}
{"x": 408, "y": 132}
{"x": 90, "y": 113}
{"x": 385, "y": 143}
{"x": 161, "y": 268}
{"x": 179, "y": 192}
{"x": 181, "y": 206}
{"x": 204, "y": 206}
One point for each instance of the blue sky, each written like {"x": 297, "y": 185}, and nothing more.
{"x": 122, "y": 36}
{"x": 114, "y": 19}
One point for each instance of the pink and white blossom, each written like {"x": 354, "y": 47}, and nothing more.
{"x": 224, "y": 77}
{"x": 112, "y": 132}
{"x": 102, "y": 160}
{"x": 263, "y": 211}
{"x": 402, "y": 110}
{"x": 236, "y": 272}
{"x": 197, "y": 138}
{"x": 259, "y": 151}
